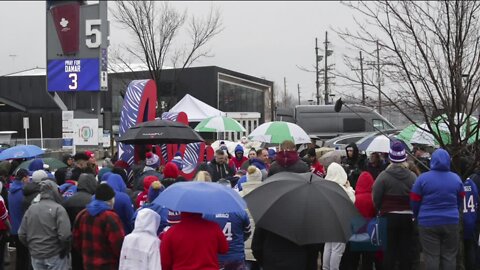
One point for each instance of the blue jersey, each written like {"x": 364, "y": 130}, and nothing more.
{"x": 236, "y": 227}
{"x": 470, "y": 208}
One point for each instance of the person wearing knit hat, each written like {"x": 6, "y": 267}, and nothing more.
{"x": 171, "y": 170}
{"x": 39, "y": 175}
{"x": 92, "y": 162}
{"x": 391, "y": 198}
{"x": 36, "y": 164}
{"x": 99, "y": 221}
{"x": 154, "y": 190}
{"x": 254, "y": 179}
{"x": 177, "y": 160}
{"x": 143, "y": 196}
{"x": 152, "y": 160}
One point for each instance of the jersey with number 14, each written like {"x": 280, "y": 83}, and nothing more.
{"x": 236, "y": 228}
{"x": 470, "y": 208}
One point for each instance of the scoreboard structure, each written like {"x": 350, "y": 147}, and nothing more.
{"x": 77, "y": 46}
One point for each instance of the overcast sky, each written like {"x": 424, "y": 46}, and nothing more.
{"x": 263, "y": 39}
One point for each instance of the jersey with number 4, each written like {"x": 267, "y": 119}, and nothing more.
{"x": 236, "y": 228}
{"x": 470, "y": 208}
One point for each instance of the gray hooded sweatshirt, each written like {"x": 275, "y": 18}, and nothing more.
{"x": 45, "y": 227}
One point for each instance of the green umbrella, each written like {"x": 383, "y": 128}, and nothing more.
{"x": 277, "y": 131}
{"x": 414, "y": 134}
{"x": 53, "y": 163}
{"x": 219, "y": 124}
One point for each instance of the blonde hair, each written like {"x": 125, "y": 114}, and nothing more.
{"x": 203, "y": 176}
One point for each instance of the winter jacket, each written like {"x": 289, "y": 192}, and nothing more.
{"x": 336, "y": 173}
{"x": 288, "y": 161}
{"x": 218, "y": 171}
{"x": 274, "y": 252}
{"x": 391, "y": 189}
{"x": 141, "y": 248}
{"x": 98, "y": 238}
{"x": 363, "y": 195}
{"x": 85, "y": 190}
{"x": 257, "y": 163}
{"x": 192, "y": 244}
{"x": 162, "y": 211}
{"x": 30, "y": 191}
{"x": 15, "y": 207}
{"x": 123, "y": 205}
{"x": 353, "y": 165}
{"x": 437, "y": 195}
{"x": 147, "y": 171}
{"x": 248, "y": 187}
{"x": 45, "y": 227}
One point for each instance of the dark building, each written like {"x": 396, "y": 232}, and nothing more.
{"x": 24, "y": 94}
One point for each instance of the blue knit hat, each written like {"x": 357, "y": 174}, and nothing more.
{"x": 397, "y": 152}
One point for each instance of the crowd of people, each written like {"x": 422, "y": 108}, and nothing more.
{"x": 86, "y": 217}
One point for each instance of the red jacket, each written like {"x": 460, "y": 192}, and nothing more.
{"x": 363, "y": 195}
{"x": 236, "y": 163}
{"x": 192, "y": 244}
{"x": 143, "y": 196}
{"x": 317, "y": 168}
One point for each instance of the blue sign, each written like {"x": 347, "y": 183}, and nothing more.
{"x": 73, "y": 75}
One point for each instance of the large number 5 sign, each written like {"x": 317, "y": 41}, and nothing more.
{"x": 89, "y": 31}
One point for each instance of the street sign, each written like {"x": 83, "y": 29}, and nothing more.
{"x": 77, "y": 46}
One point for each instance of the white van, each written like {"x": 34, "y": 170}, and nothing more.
{"x": 322, "y": 122}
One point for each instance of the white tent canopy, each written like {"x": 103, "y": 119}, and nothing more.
{"x": 195, "y": 109}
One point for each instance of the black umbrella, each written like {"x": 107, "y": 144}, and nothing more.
{"x": 158, "y": 132}
{"x": 303, "y": 208}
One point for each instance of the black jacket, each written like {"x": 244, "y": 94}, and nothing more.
{"x": 30, "y": 191}
{"x": 218, "y": 171}
{"x": 288, "y": 161}
{"x": 85, "y": 190}
{"x": 274, "y": 252}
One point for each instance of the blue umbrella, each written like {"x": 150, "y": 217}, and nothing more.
{"x": 21, "y": 151}
{"x": 201, "y": 197}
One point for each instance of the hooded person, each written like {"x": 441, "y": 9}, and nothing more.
{"x": 333, "y": 251}
{"x": 16, "y": 211}
{"x": 353, "y": 163}
{"x": 153, "y": 191}
{"x": 288, "y": 160}
{"x": 436, "y": 197}
{"x": 140, "y": 249}
{"x": 98, "y": 232}
{"x": 123, "y": 205}
{"x": 87, "y": 184}
{"x": 239, "y": 158}
{"x": 45, "y": 229}
{"x": 390, "y": 193}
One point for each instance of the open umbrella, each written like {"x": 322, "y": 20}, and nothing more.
{"x": 21, "y": 151}
{"x": 303, "y": 208}
{"x": 332, "y": 156}
{"x": 380, "y": 144}
{"x": 158, "y": 132}
{"x": 276, "y": 132}
{"x": 201, "y": 197}
{"x": 219, "y": 124}
{"x": 53, "y": 163}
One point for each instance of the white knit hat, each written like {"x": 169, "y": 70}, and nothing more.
{"x": 254, "y": 174}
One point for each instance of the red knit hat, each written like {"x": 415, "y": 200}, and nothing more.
{"x": 170, "y": 170}
{"x": 90, "y": 154}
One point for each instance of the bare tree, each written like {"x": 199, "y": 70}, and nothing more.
{"x": 430, "y": 53}
{"x": 154, "y": 26}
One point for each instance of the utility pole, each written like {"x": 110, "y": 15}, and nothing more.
{"x": 379, "y": 81}
{"x": 326, "y": 68}
{"x": 298, "y": 87}
{"x": 284, "y": 92}
{"x": 317, "y": 59}
{"x": 362, "y": 77}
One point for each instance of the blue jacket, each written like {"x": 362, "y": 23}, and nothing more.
{"x": 15, "y": 206}
{"x": 437, "y": 195}
{"x": 162, "y": 211}
{"x": 470, "y": 208}
{"x": 123, "y": 205}
{"x": 236, "y": 227}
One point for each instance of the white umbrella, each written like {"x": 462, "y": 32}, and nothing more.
{"x": 379, "y": 144}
